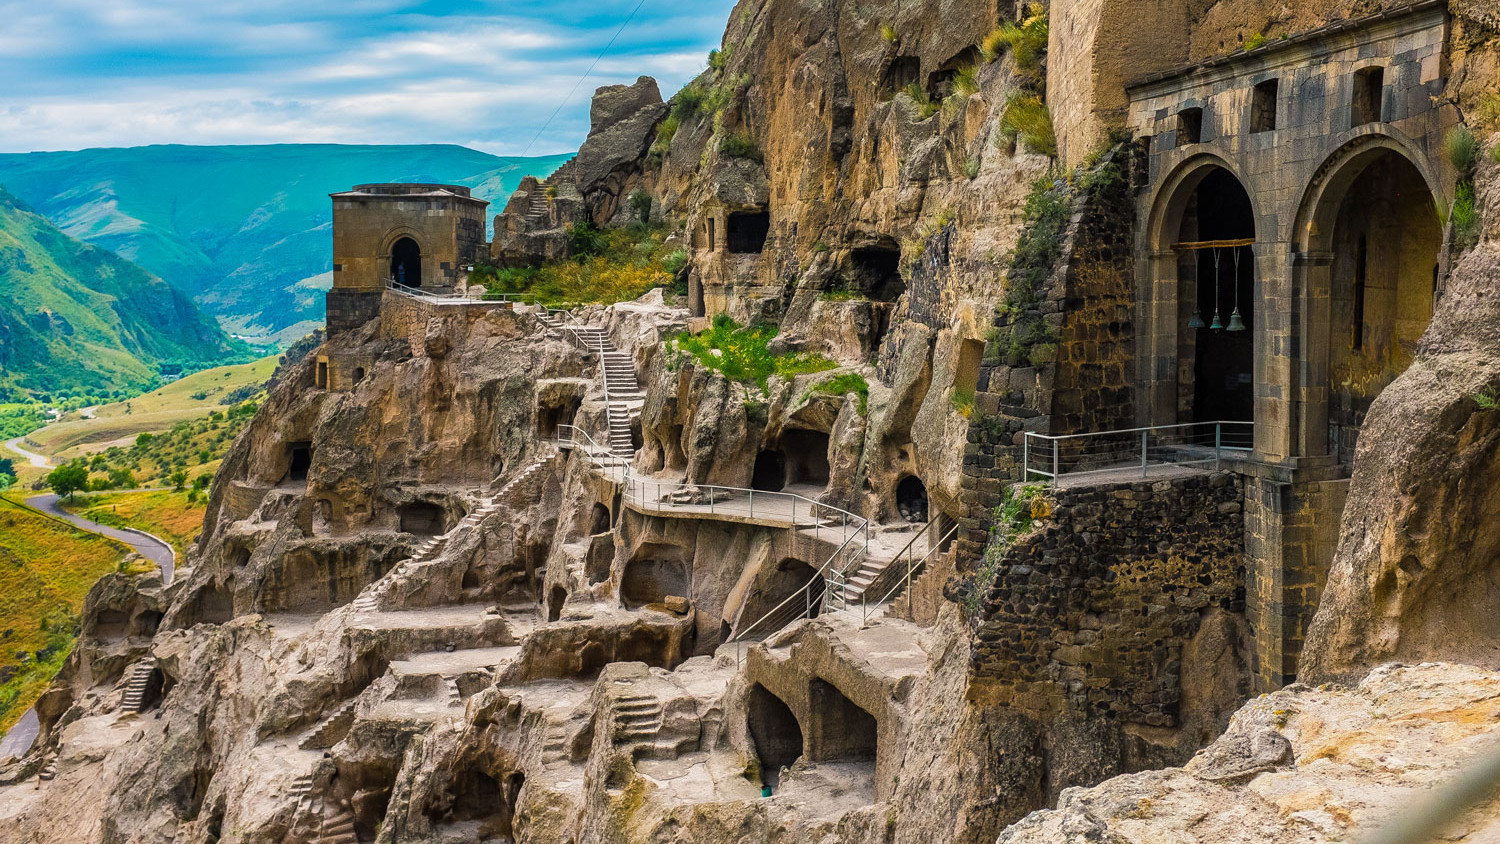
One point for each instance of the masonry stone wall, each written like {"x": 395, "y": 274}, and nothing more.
{"x": 1091, "y": 610}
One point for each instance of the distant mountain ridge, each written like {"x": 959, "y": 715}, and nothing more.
{"x": 243, "y": 230}
{"x": 75, "y": 318}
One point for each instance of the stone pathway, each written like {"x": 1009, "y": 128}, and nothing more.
{"x": 21, "y": 736}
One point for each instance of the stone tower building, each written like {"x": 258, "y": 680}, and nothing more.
{"x": 419, "y": 236}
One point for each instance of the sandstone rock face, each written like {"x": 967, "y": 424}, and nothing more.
{"x": 1302, "y": 764}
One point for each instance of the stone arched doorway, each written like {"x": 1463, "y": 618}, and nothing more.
{"x": 1368, "y": 239}
{"x": 406, "y": 263}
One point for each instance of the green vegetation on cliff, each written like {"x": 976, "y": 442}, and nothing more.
{"x": 607, "y": 266}
{"x": 744, "y": 354}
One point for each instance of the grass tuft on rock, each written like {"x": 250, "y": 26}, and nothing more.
{"x": 1461, "y": 148}
{"x": 1027, "y": 119}
{"x": 742, "y": 353}
{"x": 843, "y": 385}
{"x": 608, "y": 266}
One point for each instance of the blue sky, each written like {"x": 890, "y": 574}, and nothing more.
{"x": 91, "y": 73}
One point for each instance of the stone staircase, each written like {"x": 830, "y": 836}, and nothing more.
{"x": 637, "y": 718}
{"x": 335, "y": 828}
{"x": 455, "y": 695}
{"x": 538, "y": 207}
{"x": 555, "y": 748}
{"x": 331, "y": 730}
{"x": 433, "y": 548}
{"x": 134, "y": 698}
{"x": 622, "y": 391}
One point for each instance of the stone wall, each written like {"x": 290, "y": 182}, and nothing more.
{"x": 1091, "y": 611}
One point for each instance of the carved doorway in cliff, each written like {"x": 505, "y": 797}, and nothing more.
{"x": 1216, "y": 304}
{"x": 841, "y": 730}
{"x": 774, "y": 730}
{"x": 406, "y": 263}
{"x": 1372, "y": 255}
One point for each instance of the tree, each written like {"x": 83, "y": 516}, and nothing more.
{"x": 7, "y": 467}
{"x": 122, "y": 479}
{"x": 201, "y": 482}
{"x": 179, "y": 480}
{"x": 6, "y": 481}
{"x": 66, "y": 480}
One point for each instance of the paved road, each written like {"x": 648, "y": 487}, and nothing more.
{"x": 21, "y": 736}
{"x": 147, "y": 546}
{"x": 37, "y": 460}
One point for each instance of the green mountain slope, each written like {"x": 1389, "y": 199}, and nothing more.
{"x": 244, "y": 230}
{"x": 75, "y": 318}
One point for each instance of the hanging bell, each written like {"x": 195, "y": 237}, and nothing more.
{"x": 1197, "y": 321}
{"x": 1236, "y": 322}
{"x": 1218, "y": 324}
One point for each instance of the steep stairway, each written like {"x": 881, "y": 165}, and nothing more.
{"x": 135, "y": 690}
{"x": 622, "y": 391}
{"x": 331, "y": 730}
{"x": 637, "y": 718}
{"x": 433, "y": 548}
{"x": 338, "y": 825}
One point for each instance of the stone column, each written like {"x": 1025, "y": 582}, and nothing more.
{"x": 1275, "y": 351}
{"x": 1157, "y": 315}
{"x": 1313, "y": 274}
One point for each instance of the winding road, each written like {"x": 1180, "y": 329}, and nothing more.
{"x": 37, "y": 460}
{"x": 144, "y": 543}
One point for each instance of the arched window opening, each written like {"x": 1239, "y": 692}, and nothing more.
{"x": 599, "y": 519}
{"x": 406, "y": 263}
{"x": 777, "y": 736}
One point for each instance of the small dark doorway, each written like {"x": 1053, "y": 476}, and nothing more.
{"x": 902, "y": 72}
{"x": 555, "y": 601}
{"x": 422, "y": 518}
{"x": 406, "y": 263}
{"x": 299, "y": 460}
{"x": 599, "y": 519}
{"x": 776, "y": 733}
{"x": 1223, "y": 323}
{"x": 806, "y": 457}
{"x": 770, "y": 472}
{"x": 844, "y": 732}
{"x": 746, "y": 231}
{"x": 911, "y": 499}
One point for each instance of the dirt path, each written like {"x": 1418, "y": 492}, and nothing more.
{"x": 36, "y": 460}
{"x": 144, "y": 544}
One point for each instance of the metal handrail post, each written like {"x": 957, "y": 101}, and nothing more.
{"x": 1218, "y": 443}
{"x": 1025, "y": 457}
{"x": 1056, "y": 461}
{"x": 1144, "y": 435}
{"x": 752, "y": 503}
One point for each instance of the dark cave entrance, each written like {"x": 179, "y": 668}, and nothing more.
{"x": 775, "y": 732}
{"x": 421, "y": 518}
{"x": 550, "y": 416}
{"x": 842, "y": 730}
{"x": 1218, "y": 268}
{"x": 770, "y": 472}
{"x": 902, "y": 72}
{"x": 654, "y": 573}
{"x": 806, "y": 456}
{"x": 299, "y": 461}
{"x": 478, "y": 798}
{"x": 599, "y": 519}
{"x": 746, "y": 232}
{"x": 406, "y": 263}
{"x": 876, "y": 274}
{"x": 911, "y": 499}
{"x": 555, "y": 601}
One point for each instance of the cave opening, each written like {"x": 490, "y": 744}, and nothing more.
{"x": 911, "y": 499}
{"x": 599, "y": 519}
{"x": 552, "y": 415}
{"x": 788, "y": 578}
{"x": 555, "y": 601}
{"x": 900, "y": 74}
{"x": 421, "y": 518}
{"x": 843, "y": 731}
{"x": 299, "y": 461}
{"x": 769, "y": 474}
{"x": 806, "y": 457}
{"x": 406, "y": 263}
{"x": 775, "y": 732}
{"x": 654, "y": 573}
{"x": 745, "y": 232}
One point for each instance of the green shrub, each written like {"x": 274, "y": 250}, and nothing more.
{"x": 1465, "y": 217}
{"x": 1011, "y": 520}
{"x": 888, "y": 33}
{"x": 962, "y": 399}
{"x": 925, "y": 106}
{"x": 740, "y": 144}
{"x": 1027, "y": 41}
{"x": 640, "y": 203}
{"x": 1495, "y": 153}
{"x": 1461, "y": 148}
{"x": 615, "y": 265}
{"x": 966, "y": 83}
{"x": 742, "y": 354}
{"x": 717, "y": 59}
{"x": 1027, "y": 118}
{"x": 1255, "y": 41}
{"x": 843, "y": 385}
{"x": 1487, "y": 399}
{"x": 676, "y": 262}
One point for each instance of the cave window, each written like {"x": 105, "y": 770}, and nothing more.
{"x": 359, "y": 374}
{"x": 147, "y": 623}
{"x": 421, "y": 518}
{"x": 555, "y": 601}
{"x": 322, "y": 376}
{"x": 652, "y": 575}
{"x": 940, "y": 83}
{"x": 903, "y": 72}
{"x": 877, "y": 272}
{"x": 1189, "y": 126}
{"x": 844, "y": 732}
{"x": 406, "y": 263}
{"x": 109, "y": 624}
{"x": 806, "y": 457}
{"x": 599, "y": 519}
{"x": 746, "y": 232}
{"x": 299, "y": 461}
{"x": 770, "y": 472}
{"x": 911, "y": 499}
{"x": 774, "y": 729}
{"x": 1263, "y": 106}
{"x": 550, "y": 417}
{"x": 1367, "y": 104}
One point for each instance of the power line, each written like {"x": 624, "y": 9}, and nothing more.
{"x": 585, "y": 75}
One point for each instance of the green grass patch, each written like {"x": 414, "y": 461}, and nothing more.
{"x": 962, "y": 400}
{"x": 1487, "y": 399}
{"x": 1026, "y": 40}
{"x": 843, "y": 385}
{"x": 1255, "y": 41}
{"x": 47, "y": 567}
{"x": 740, "y": 145}
{"x": 1465, "y": 217}
{"x": 1461, "y": 148}
{"x": 607, "y": 266}
{"x": 742, "y": 354}
{"x": 926, "y": 106}
{"x": 1028, "y": 120}
{"x": 1012, "y": 519}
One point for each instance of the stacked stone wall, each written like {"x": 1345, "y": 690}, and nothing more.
{"x": 1091, "y": 610}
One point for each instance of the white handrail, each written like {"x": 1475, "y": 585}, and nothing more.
{"x": 1185, "y": 444}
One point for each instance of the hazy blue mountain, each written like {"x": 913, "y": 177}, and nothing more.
{"x": 78, "y": 319}
{"x": 243, "y": 230}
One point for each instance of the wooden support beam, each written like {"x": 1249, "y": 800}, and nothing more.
{"x": 1213, "y": 244}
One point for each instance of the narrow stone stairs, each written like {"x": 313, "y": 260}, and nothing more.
{"x": 430, "y": 550}
{"x": 49, "y": 770}
{"x": 455, "y": 694}
{"x": 637, "y": 718}
{"x": 337, "y": 827}
{"x": 539, "y": 206}
{"x": 555, "y": 748}
{"x": 331, "y": 730}
{"x": 301, "y": 788}
{"x": 135, "y": 691}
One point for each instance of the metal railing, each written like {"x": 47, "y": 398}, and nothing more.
{"x": 1135, "y": 450}
{"x": 575, "y": 437}
{"x": 892, "y": 571}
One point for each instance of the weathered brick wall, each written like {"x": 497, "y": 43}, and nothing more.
{"x": 1091, "y": 610}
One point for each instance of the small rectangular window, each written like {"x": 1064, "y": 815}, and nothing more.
{"x": 713, "y": 244}
{"x": 322, "y": 376}
{"x": 1189, "y": 126}
{"x": 1357, "y": 328}
{"x": 1263, "y": 106}
{"x": 1367, "y": 105}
